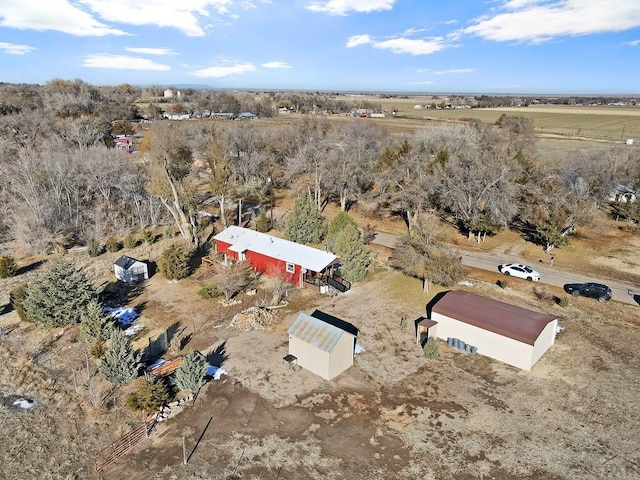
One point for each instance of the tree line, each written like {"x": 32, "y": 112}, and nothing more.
{"x": 62, "y": 179}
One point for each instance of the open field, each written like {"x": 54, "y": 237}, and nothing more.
{"x": 599, "y": 122}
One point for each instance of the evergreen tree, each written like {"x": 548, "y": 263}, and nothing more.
{"x": 337, "y": 224}
{"x": 354, "y": 254}
{"x": 149, "y": 396}
{"x": 59, "y": 296}
{"x": 191, "y": 374}
{"x": 174, "y": 261}
{"x": 304, "y": 222}
{"x": 96, "y": 325}
{"x": 120, "y": 362}
{"x": 16, "y": 298}
{"x": 8, "y": 266}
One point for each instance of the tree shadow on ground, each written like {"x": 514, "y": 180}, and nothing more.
{"x": 30, "y": 267}
{"x": 218, "y": 355}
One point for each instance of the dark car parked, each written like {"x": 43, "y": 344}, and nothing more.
{"x": 600, "y": 292}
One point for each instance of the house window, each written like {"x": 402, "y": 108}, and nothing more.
{"x": 291, "y": 268}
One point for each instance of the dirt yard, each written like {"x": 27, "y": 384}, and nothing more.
{"x": 393, "y": 415}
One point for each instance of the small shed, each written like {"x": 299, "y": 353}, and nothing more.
{"x": 322, "y": 344}
{"x": 498, "y": 330}
{"x": 130, "y": 271}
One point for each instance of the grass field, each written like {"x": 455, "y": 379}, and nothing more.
{"x": 611, "y": 123}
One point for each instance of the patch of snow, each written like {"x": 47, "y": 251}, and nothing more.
{"x": 358, "y": 349}
{"x": 215, "y": 372}
{"x": 24, "y": 403}
{"x": 123, "y": 316}
{"x": 466, "y": 283}
{"x": 133, "y": 329}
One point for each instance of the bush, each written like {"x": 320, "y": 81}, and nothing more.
{"x": 111, "y": 244}
{"x": 503, "y": 283}
{"x": 562, "y": 301}
{"x": 173, "y": 263}
{"x": 263, "y": 224}
{"x": 148, "y": 396}
{"x": 431, "y": 349}
{"x": 148, "y": 237}
{"x": 542, "y": 293}
{"x": 16, "y": 298}
{"x": 93, "y": 247}
{"x": 8, "y": 267}
{"x": 210, "y": 291}
{"x": 130, "y": 241}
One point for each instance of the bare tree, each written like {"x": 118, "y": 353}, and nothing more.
{"x": 170, "y": 166}
{"x": 351, "y": 162}
{"x": 234, "y": 278}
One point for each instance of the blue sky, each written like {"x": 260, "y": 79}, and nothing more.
{"x": 457, "y": 46}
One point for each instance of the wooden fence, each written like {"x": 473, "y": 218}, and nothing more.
{"x": 122, "y": 446}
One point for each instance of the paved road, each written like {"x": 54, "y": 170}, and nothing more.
{"x": 549, "y": 275}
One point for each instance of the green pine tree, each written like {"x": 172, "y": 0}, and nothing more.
{"x": 173, "y": 263}
{"x": 120, "y": 362}
{"x": 304, "y": 222}
{"x": 8, "y": 266}
{"x": 190, "y": 376}
{"x": 149, "y": 396}
{"x": 16, "y": 298}
{"x": 354, "y": 255}
{"x": 338, "y": 223}
{"x": 96, "y": 325}
{"x": 59, "y": 296}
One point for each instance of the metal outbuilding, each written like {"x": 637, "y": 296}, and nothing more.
{"x": 504, "y": 332}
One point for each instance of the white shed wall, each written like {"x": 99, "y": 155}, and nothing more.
{"x": 546, "y": 338}
{"x": 341, "y": 356}
{"x": 489, "y": 344}
{"x": 309, "y": 357}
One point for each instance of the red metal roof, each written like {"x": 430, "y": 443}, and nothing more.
{"x": 492, "y": 315}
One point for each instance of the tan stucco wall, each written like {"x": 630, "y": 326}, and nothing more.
{"x": 492, "y": 345}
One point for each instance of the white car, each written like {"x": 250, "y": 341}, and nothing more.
{"x": 519, "y": 270}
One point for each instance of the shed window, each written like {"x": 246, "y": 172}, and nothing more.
{"x": 291, "y": 267}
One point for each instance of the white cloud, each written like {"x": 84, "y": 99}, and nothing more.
{"x": 15, "y": 49}
{"x": 538, "y": 21}
{"x": 276, "y": 65}
{"x": 343, "y": 7}
{"x": 356, "y": 40}
{"x": 224, "y": 70}
{"x": 151, "y": 51}
{"x": 455, "y": 71}
{"x": 184, "y": 15}
{"x": 58, "y": 15}
{"x": 633, "y": 43}
{"x": 122, "y": 62}
{"x": 412, "y": 46}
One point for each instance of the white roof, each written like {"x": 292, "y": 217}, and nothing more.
{"x": 243, "y": 239}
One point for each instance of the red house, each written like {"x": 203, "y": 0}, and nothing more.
{"x": 276, "y": 256}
